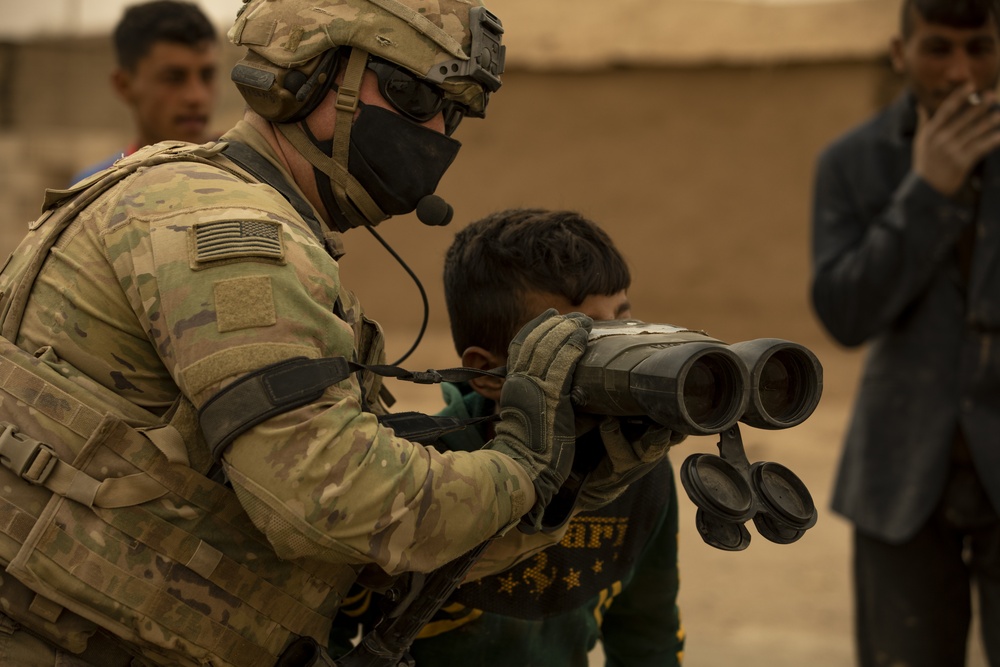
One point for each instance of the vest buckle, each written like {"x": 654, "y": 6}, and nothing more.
{"x": 26, "y": 457}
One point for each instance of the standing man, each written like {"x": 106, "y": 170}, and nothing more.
{"x": 167, "y": 55}
{"x": 906, "y": 240}
{"x": 181, "y": 323}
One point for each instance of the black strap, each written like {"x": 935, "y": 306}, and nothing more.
{"x": 265, "y": 172}
{"x": 299, "y": 381}
{"x": 428, "y": 429}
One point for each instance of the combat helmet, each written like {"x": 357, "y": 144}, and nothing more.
{"x": 435, "y": 56}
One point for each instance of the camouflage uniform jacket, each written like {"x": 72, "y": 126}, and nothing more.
{"x": 184, "y": 277}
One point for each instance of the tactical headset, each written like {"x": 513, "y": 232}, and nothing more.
{"x": 284, "y": 95}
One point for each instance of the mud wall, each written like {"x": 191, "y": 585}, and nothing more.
{"x": 702, "y": 175}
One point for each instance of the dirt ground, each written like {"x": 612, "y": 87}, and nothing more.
{"x": 702, "y": 177}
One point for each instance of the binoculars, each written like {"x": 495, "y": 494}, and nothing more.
{"x": 692, "y": 383}
{"x": 698, "y": 385}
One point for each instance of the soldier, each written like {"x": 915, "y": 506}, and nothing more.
{"x": 178, "y": 321}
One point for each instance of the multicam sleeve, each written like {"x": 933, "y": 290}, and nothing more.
{"x": 226, "y": 279}
{"x": 511, "y": 549}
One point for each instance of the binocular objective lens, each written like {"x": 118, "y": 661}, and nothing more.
{"x": 782, "y": 386}
{"x": 706, "y": 388}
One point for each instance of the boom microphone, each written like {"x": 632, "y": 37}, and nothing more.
{"x": 434, "y": 211}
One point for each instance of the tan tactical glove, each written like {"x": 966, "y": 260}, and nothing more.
{"x": 537, "y": 427}
{"x": 631, "y": 451}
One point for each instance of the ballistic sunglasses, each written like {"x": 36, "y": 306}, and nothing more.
{"x": 415, "y": 98}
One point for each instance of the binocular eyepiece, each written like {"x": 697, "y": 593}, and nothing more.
{"x": 692, "y": 383}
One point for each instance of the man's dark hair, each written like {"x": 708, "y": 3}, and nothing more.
{"x": 145, "y": 24}
{"x": 495, "y": 262}
{"x": 952, "y": 13}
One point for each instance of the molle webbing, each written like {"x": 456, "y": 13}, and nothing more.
{"x": 190, "y": 568}
{"x": 217, "y": 561}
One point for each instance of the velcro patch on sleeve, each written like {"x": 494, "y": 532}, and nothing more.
{"x": 237, "y": 239}
{"x": 244, "y": 303}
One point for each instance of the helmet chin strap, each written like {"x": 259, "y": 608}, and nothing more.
{"x": 352, "y": 206}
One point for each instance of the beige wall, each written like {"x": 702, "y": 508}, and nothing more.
{"x": 574, "y": 34}
{"x": 58, "y": 113}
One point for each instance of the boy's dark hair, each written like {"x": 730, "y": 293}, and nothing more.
{"x": 494, "y": 262}
{"x": 952, "y": 13}
{"x": 143, "y": 25}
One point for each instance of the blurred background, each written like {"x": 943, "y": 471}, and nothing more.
{"x": 687, "y": 128}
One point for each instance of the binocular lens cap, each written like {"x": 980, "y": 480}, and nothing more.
{"x": 784, "y": 494}
{"x": 774, "y": 530}
{"x": 716, "y": 486}
{"x": 725, "y": 535}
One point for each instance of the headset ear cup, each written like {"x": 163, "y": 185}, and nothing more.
{"x": 264, "y": 93}
{"x": 294, "y": 81}
{"x": 276, "y": 93}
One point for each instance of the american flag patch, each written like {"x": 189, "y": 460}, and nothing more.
{"x": 230, "y": 239}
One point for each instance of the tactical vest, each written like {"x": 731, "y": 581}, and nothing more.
{"x": 107, "y": 518}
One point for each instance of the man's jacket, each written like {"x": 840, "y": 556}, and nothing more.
{"x": 892, "y": 269}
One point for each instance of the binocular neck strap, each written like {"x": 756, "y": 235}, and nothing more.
{"x": 299, "y": 381}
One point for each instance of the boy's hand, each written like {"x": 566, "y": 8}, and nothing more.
{"x": 631, "y": 451}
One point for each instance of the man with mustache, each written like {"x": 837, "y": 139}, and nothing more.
{"x": 906, "y": 231}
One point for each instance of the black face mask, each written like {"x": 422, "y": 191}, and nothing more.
{"x": 397, "y": 161}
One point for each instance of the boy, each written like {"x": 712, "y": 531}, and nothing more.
{"x": 614, "y": 574}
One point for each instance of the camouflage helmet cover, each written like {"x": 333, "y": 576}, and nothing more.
{"x": 431, "y": 38}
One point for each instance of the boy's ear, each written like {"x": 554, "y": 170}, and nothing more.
{"x": 483, "y": 359}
